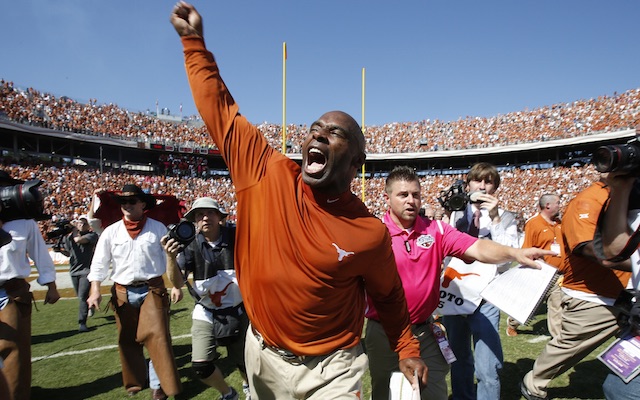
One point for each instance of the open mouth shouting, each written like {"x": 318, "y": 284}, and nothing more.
{"x": 315, "y": 163}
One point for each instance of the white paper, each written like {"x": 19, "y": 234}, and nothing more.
{"x": 519, "y": 290}
{"x": 400, "y": 388}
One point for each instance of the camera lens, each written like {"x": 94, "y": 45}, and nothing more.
{"x": 605, "y": 158}
{"x": 184, "y": 232}
{"x": 625, "y": 157}
{"x": 22, "y": 201}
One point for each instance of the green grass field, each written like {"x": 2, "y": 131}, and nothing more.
{"x": 70, "y": 365}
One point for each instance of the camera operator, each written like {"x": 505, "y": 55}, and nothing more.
{"x": 589, "y": 290}
{"x": 482, "y": 218}
{"x": 617, "y": 224}
{"x": 16, "y": 296}
{"x": 219, "y": 316}
{"x": 79, "y": 246}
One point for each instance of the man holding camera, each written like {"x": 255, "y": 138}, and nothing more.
{"x": 618, "y": 228}
{"x": 482, "y": 218}
{"x": 590, "y": 288}
{"x": 79, "y": 246}
{"x": 133, "y": 248}
{"x": 219, "y": 316}
{"x": 16, "y": 297}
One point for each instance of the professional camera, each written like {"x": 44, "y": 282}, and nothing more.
{"x": 618, "y": 157}
{"x": 63, "y": 227}
{"x": 184, "y": 232}
{"x": 456, "y": 199}
{"x": 22, "y": 201}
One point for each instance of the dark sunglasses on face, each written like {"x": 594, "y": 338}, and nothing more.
{"x": 131, "y": 200}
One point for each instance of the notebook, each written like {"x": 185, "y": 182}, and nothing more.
{"x": 519, "y": 291}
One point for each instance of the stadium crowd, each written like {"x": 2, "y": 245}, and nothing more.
{"x": 577, "y": 118}
{"x": 68, "y": 189}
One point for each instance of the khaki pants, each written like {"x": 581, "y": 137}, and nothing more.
{"x": 585, "y": 326}
{"x": 147, "y": 325}
{"x": 15, "y": 339}
{"x": 334, "y": 376}
{"x": 554, "y": 310}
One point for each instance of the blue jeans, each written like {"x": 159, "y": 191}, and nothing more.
{"x": 615, "y": 389}
{"x": 481, "y": 327}
{"x": 136, "y": 296}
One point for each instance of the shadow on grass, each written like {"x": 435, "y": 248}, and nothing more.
{"x": 80, "y": 392}
{"x": 585, "y": 382}
{"x": 191, "y": 385}
{"x": 96, "y": 322}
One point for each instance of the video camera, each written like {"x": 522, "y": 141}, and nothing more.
{"x": 456, "y": 199}
{"x": 618, "y": 157}
{"x": 22, "y": 201}
{"x": 63, "y": 227}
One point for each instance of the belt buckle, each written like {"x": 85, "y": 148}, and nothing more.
{"x": 289, "y": 356}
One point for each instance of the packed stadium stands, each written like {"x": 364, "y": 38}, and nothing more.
{"x": 578, "y": 118}
{"x": 68, "y": 188}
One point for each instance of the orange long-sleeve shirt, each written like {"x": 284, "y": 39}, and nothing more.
{"x": 303, "y": 261}
{"x": 579, "y": 226}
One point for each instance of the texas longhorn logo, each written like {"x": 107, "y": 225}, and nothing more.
{"x": 451, "y": 274}
{"x": 216, "y": 298}
{"x": 342, "y": 253}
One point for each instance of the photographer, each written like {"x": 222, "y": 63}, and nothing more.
{"x": 617, "y": 224}
{"x": 480, "y": 216}
{"x": 589, "y": 290}
{"x": 79, "y": 246}
{"x": 16, "y": 296}
{"x": 219, "y": 317}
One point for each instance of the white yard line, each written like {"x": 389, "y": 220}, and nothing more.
{"x": 72, "y": 353}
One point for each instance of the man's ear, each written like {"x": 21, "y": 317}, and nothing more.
{"x": 359, "y": 159}
{"x": 386, "y": 197}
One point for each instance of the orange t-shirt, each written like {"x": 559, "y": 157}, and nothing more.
{"x": 541, "y": 234}
{"x": 303, "y": 261}
{"x": 579, "y": 226}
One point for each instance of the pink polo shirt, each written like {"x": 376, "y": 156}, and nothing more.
{"x": 419, "y": 257}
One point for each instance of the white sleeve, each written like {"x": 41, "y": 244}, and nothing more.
{"x": 506, "y": 231}
{"x": 39, "y": 252}
{"x": 101, "y": 258}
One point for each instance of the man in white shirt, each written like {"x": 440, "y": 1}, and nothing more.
{"x": 16, "y": 297}
{"x": 132, "y": 247}
{"x": 484, "y": 219}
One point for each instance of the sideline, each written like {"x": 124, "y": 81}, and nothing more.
{"x": 76, "y": 352}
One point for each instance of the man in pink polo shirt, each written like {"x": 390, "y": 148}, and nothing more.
{"x": 419, "y": 247}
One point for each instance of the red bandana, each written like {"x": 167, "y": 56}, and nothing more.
{"x": 134, "y": 227}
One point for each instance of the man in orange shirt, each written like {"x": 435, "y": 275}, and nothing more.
{"x": 543, "y": 231}
{"x": 589, "y": 289}
{"x": 307, "y": 249}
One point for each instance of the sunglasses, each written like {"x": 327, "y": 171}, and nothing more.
{"x": 131, "y": 201}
